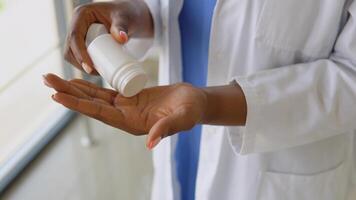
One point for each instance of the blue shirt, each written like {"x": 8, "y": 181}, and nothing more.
{"x": 195, "y": 22}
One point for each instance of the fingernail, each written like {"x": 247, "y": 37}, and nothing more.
{"x": 46, "y": 82}
{"x": 123, "y": 36}
{"x": 86, "y": 68}
{"x": 149, "y": 145}
{"x": 154, "y": 143}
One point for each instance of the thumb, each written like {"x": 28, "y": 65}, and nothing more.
{"x": 167, "y": 126}
{"x": 119, "y": 30}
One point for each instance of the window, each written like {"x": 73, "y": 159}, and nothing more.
{"x": 31, "y": 42}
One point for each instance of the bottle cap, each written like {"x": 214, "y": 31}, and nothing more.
{"x": 130, "y": 80}
{"x": 133, "y": 83}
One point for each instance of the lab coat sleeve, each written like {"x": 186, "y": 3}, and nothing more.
{"x": 140, "y": 47}
{"x": 301, "y": 103}
{"x": 155, "y": 9}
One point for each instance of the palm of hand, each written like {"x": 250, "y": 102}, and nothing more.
{"x": 159, "y": 111}
{"x": 141, "y": 112}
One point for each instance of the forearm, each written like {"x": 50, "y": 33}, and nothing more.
{"x": 226, "y": 105}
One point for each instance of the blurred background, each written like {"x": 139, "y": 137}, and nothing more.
{"x": 47, "y": 151}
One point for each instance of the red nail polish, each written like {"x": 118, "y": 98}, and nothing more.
{"x": 156, "y": 141}
{"x": 123, "y": 36}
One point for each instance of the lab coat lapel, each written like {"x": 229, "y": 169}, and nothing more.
{"x": 170, "y": 72}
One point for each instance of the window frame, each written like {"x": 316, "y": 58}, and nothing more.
{"x": 29, "y": 151}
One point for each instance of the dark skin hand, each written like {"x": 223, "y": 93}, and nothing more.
{"x": 158, "y": 111}
{"x": 123, "y": 19}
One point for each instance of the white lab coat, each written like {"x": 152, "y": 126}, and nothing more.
{"x": 296, "y": 63}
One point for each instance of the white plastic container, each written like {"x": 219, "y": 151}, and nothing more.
{"x": 114, "y": 63}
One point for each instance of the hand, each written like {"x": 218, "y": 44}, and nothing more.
{"x": 159, "y": 111}
{"x": 123, "y": 19}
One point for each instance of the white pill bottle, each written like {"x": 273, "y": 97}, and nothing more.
{"x": 114, "y": 63}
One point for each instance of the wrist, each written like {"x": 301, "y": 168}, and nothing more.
{"x": 209, "y": 106}
{"x": 225, "y": 105}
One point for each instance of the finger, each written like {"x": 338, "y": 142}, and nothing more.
{"x": 89, "y": 84}
{"x": 68, "y": 56}
{"x": 167, "y": 126}
{"x": 84, "y": 17}
{"x": 101, "y": 101}
{"x": 64, "y": 86}
{"x": 95, "y": 92}
{"x": 119, "y": 29}
{"x": 107, "y": 114}
{"x": 81, "y": 54}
